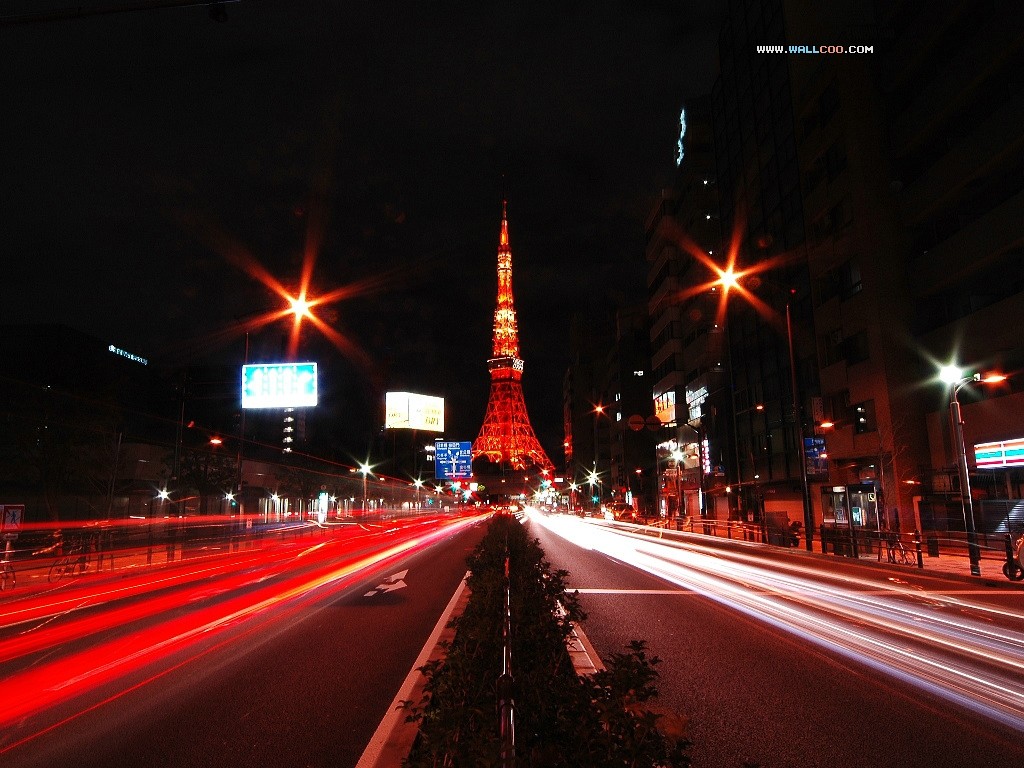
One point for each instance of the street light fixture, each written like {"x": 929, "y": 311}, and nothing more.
{"x": 592, "y": 478}
{"x": 799, "y": 424}
{"x": 954, "y": 376}
{"x": 365, "y": 469}
{"x": 728, "y": 279}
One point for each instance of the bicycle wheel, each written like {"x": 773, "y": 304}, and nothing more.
{"x": 1013, "y": 572}
{"x": 57, "y": 570}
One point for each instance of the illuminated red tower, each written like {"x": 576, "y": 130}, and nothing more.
{"x": 506, "y": 436}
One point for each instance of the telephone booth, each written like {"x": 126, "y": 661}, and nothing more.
{"x": 849, "y": 514}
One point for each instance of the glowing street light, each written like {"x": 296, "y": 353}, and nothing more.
{"x": 365, "y": 469}
{"x": 728, "y": 279}
{"x": 955, "y": 378}
{"x": 300, "y": 306}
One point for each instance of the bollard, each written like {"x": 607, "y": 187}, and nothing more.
{"x": 917, "y": 545}
{"x": 1011, "y": 568}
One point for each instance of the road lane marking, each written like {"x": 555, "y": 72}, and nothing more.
{"x": 629, "y": 592}
{"x": 390, "y": 584}
{"x": 391, "y": 742}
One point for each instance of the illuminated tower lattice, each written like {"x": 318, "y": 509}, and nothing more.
{"x": 506, "y": 436}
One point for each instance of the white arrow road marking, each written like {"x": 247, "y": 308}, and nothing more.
{"x": 391, "y": 583}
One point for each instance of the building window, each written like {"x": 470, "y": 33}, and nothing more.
{"x": 830, "y": 347}
{"x": 837, "y": 405}
{"x": 827, "y": 287}
{"x": 840, "y": 215}
{"x": 855, "y": 348}
{"x": 864, "y": 417}
{"x": 849, "y": 279}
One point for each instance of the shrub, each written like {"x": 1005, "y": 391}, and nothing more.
{"x": 561, "y": 719}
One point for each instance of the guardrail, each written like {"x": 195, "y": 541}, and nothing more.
{"x": 727, "y": 529}
{"x": 505, "y": 682}
{"x": 109, "y": 545}
{"x": 897, "y": 548}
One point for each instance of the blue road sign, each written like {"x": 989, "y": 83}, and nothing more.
{"x": 815, "y": 456}
{"x": 453, "y": 460}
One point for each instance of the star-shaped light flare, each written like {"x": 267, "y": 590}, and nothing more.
{"x": 726, "y": 278}
{"x": 299, "y": 306}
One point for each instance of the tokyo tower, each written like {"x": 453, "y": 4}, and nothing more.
{"x": 506, "y": 436}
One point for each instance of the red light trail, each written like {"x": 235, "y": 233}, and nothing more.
{"x": 68, "y": 646}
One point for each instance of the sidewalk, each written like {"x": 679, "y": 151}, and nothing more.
{"x": 33, "y": 573}
{"x": 954, "y": 562}
{"x": 946, "y": 556}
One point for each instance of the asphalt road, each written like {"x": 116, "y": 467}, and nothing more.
{"x": 757, "y": 692}
{"x": 303, "y": 683}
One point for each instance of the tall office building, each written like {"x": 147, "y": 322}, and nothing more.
{"x": 873, "y": 200}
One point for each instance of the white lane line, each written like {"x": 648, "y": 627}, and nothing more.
{"x": 629, "y": 592}
{"x": 387, "y": 748}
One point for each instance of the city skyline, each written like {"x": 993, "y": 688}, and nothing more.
{"x": 153, "y": 160}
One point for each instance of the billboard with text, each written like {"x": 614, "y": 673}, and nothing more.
{"x": 407, "y": 410}
{"x": 279, "y": 385}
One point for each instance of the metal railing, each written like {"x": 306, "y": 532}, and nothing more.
{"x": 506, "y": 701}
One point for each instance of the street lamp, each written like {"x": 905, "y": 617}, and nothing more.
{"x": 728, "y": 279}
{"x": 417, "y": 484}
{"x": 799, "y": 424}
{"x": 365, "y": 469}
{"x": 599, "y": 411}
{"x": 956, "y": 379}
{"x": 593, "y": 479}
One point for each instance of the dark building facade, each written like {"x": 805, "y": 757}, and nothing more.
{"x": 877, "y": 198}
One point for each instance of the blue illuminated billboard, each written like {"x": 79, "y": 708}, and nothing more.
{"x": 279, "y": 385}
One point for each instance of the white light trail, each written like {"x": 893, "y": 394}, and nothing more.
{"x": 962, "y": 650}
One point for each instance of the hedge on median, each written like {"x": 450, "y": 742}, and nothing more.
{"x": 610, "y": 718}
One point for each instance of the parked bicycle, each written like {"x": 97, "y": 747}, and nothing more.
{"x": 74, "y": 563}
{"x": 1013, "y": 568}
{"x": 898, "y": 553}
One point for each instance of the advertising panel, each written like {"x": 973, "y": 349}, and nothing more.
{"x": 279, "y": 385}
{"x": 407, "y": 410}
{"x": 1004, "y": 453}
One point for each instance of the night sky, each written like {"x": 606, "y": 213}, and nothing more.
{"x": 147, "y": 155}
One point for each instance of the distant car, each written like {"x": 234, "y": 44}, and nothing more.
{"x": 620, "y": 510}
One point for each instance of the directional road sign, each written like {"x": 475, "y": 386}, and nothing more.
{"x": 453, "y": 460}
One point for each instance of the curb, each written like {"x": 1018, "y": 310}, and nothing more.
{"x": 585, "y": 659}
{"x": 392, "y": 742}
{"x": 394, "y": 737}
